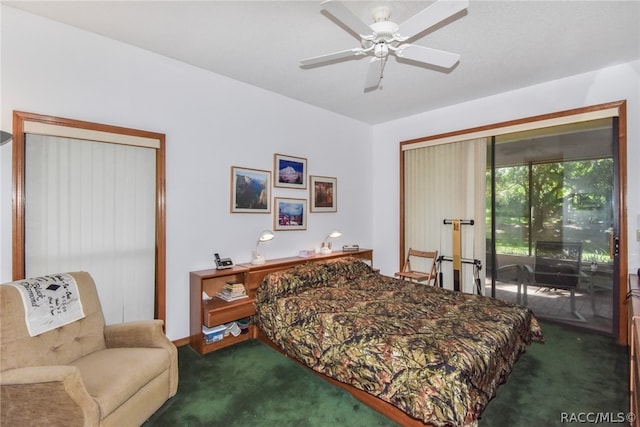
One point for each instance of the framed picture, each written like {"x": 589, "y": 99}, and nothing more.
{"x": 290, "y": 172}
{"x": 323, "y": 193}
{"x": 250, "y": 190}
{"x": 290, "y": 214}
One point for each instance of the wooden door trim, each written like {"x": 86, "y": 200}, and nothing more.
{"x": 18, "y": 214}
{"x": 621, "y": 107}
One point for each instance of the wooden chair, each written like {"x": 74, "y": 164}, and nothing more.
{"x": 408, "y": 273}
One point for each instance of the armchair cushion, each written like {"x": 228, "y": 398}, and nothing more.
{"x": 144, "y": 333}
{"x": 113, "y": 375}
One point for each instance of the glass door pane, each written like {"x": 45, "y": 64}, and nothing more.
{"x": 551, "y": 200}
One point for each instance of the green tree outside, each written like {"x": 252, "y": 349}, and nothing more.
{"x": 570, "y": 201}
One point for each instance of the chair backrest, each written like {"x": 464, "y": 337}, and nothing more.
{"x": 429, "y": 262}
{"x": 558, "y": 263}
{"x": 58, "y": 346}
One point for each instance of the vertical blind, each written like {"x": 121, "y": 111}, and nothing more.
{"x": 91, "y": 206}
{"x": 446, "y": 181}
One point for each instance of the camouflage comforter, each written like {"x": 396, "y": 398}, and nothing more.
{"x": 436, "y": 354}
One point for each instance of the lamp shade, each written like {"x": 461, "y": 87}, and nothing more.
{"x": 266, "y": 235}
{"x": 335, "y": 233}
{"x": 5, "y": 137}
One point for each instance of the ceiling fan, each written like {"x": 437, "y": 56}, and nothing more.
{"x": 385, "y": 37}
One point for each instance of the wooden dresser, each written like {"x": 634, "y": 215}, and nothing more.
{"x": 633, "y": 304}
{"x": 215, "y": 312}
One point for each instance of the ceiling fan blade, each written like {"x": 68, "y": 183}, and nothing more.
{"x": 427, "y": 55}
{"x": 374, "y": 73}
{"x": 432, "y": 15}
{"x": 356, "y": 51}
{"x": 344, "y": 15}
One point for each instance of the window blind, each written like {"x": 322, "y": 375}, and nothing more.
{"x": 446, "y": 181}
{"x": 91, "y": 206}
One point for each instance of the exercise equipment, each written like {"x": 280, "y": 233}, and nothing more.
{"x": 457, "y": 258}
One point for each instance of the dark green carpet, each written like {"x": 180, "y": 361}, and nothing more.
{"x": 251, "y": 384}
{"x": 573, "y": 372}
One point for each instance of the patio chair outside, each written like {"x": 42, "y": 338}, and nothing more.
{"x": 556, "y": 266}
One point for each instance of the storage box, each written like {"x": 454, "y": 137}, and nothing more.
{"x": 213, "y": 334}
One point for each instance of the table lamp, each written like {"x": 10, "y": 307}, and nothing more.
{"x": 265, "y": 236}
{"x": 326, "y": 245}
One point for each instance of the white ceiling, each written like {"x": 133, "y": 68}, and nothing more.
{"x": 503, "y": 45}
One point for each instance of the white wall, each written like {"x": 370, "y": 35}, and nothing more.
{"x": 211, "y": 123}
{"x": 615, "y": 83}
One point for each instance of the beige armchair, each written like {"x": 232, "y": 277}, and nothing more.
{"x": 83, "y": 373}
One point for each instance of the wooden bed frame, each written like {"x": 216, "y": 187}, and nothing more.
{"x": 375, "y": 403}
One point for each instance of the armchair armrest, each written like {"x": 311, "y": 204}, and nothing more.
{"x": 144, "y": 333}
{"x": 46, "y": 395}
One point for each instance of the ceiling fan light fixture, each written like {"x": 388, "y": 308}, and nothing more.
{"x": 384, "y": 30}
{"x": 381, "y": 50}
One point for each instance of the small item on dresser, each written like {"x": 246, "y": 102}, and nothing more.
{"x": 244, "y": 325}
{"x": 213, "y": 334}
{"x": 350, "y": 248}
{"x": 222, "y": 263}
{"x": 233, "y": 329}
{"x": 232, "y": 291}
{"x": 224, "y": 295}
{"x": 307, "y": 253}
{"x": 235, "y": 288}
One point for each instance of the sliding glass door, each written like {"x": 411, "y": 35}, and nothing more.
{"x": 551, "y": 221}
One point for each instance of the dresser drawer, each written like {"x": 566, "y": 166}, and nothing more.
{"x": 228, "y": 312}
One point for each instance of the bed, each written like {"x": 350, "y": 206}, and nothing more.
{"x": 436, "y": 355}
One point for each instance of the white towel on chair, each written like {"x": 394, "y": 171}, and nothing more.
{"x": 49, "y": 302}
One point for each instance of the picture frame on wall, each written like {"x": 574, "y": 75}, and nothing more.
{"x": 290, "y": 214}
{"x": 250, "y": 190}
{"x": 290, "y": 171}
{"x": 323, "y": 193}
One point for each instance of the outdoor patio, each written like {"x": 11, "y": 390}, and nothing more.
{"x": 555, "y": 304}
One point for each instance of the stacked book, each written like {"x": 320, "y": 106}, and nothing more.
{"x": 232, "y": 291}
